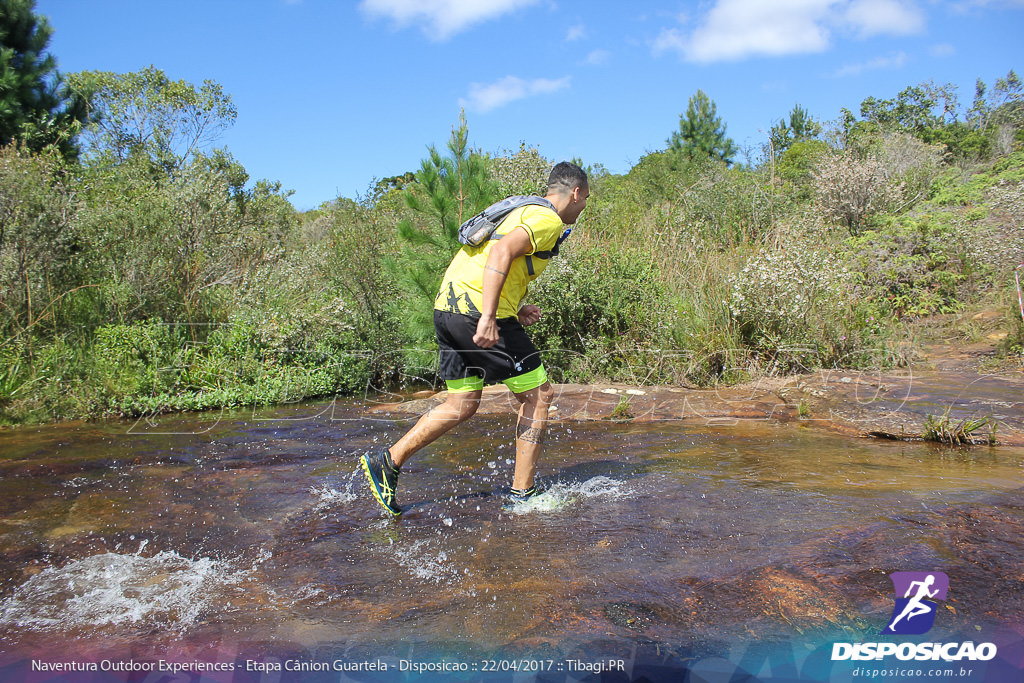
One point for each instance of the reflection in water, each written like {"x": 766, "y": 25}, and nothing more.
{"x": 258, "y": 530}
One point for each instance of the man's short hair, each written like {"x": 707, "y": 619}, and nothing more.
{"x": 566, "y": 177}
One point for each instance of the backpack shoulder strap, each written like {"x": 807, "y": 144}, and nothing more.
{"x": 481, "y": 227}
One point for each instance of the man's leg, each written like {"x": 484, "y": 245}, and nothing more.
{"x": 530, "y": 431}
{"x": 458, "y": 408}
{"x": 381, "y": 465}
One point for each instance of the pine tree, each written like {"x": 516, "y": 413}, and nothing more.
{"x": 701, "y": 133}
{"x": 448, "y": 190}
{"x": 34, "y": 106}
{"x": 801, "y": 127}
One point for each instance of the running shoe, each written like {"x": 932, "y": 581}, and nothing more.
{"x": 515, "y": 497}
{"x": 383, "y": 477}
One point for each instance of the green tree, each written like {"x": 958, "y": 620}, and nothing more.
{"x": 177, "y": 249}
{"x": 34, "y": 105}
{"x": 910, "y": 110}
{"x": 1008, "y": 101}
{"x": 800, "y": 128}
{"x": 448, "y": 190}
{"x": 977, "y": 115}
{"x": 701, "y": 132}
{"x": 37, "y": 244}
{"x": 1000, "y": 105}
{"x": 147, "y": 113}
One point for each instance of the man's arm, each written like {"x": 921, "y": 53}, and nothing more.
{"x": 499, "y": 260}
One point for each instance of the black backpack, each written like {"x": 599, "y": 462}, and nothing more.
{"x": 480, "y": 228}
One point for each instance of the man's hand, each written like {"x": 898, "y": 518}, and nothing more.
{"x": 529, "y": 315}
{"x": 486, "y": 332}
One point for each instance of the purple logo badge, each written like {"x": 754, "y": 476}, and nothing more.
{"x": 916, "y": 596}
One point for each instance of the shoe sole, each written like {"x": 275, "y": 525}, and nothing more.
{"x": 373, "y": 489}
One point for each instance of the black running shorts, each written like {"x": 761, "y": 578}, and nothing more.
{"x": 514, "y": 360}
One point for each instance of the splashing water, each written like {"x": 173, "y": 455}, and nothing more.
{"x": 328, "y": 497}
{"x": 426, "y": 562}
{"x": 562, "y": 495}
{"x": 654, "y": 533}
{"x": 118, "y": 590}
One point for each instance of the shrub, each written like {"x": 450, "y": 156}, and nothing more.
{"x": 173, "y": 247}
{"x": 522, "y": 172}
{"x": 913, "y": 266}
{"x": 600, "y": 308}
{"x": 912, "y": 163}
{"x": 353, "y": 264}
{"x": 37, "y": 243}
{"x": 1001, "y": 244}
{"x": 849, "y": 190}
{"x": 796, "y": 300}
{"x": 797, "y": 164}
{"x": 254, "y": 360}
{"x": 668, "y": 197}
{"x": 139, "y": 358}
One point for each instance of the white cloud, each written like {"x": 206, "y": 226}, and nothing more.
{"x": 892, "y": 62}
{"x": 737, "y": 29}
{"x": 670, "y": 40}
{"x": 942, "y": 50}
{"x": 577, "y": 32}
{"x": 734, "y": 29}
{"x": 440, "y": 19}
{"x": 967, "y": 4}
{"x": 484, "y": 98}
{"x": 883, "y": 17}
{"x": 597, "y": 57}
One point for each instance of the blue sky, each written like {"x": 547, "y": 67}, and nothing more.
{"x": 333, "y": 95}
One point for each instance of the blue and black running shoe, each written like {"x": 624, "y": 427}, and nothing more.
{"x": 383, "y": 477}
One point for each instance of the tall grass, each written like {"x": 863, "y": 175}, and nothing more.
{"x": 677, "y": 273}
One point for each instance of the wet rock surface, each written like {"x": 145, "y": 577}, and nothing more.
{"x": 892, "y": 404}
{"x": 692, "y": 525}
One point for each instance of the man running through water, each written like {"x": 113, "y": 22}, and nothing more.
{"x": 480, "y": 332}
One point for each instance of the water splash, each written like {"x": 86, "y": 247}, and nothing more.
{"x": 422, "y": 560}
{"x": 328, "y": 497}
{"x": 564, "y": 494}
{"x": 165, "y": 591}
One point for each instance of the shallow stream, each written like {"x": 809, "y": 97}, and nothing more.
{"x": 249, "y": 537}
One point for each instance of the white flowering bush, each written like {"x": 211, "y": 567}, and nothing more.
{"x": 793, "y": 299}
{"x": 1003, "y": 247}
{"x": 912, "y": 162}
{"x": 849, "y": 190}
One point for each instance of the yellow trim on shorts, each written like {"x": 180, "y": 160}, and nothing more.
{"x": 527, "y": 381}
{"x": 518, "y": 385}
{"x": 465, "y": 385}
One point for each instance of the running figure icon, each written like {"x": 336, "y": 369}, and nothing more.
{"x": 914, "y": 612}
{"x": 916, "y": 607}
